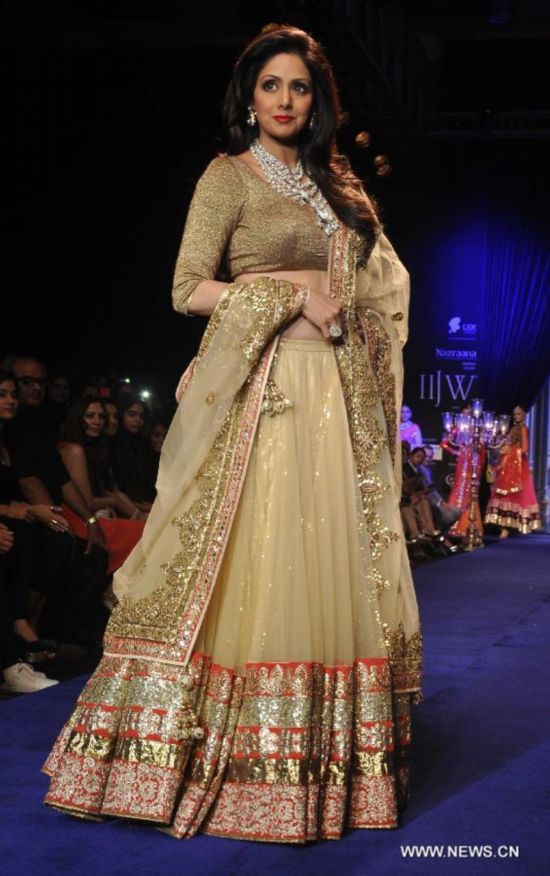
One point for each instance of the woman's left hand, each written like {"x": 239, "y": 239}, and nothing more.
{"x": 50, "y": 516}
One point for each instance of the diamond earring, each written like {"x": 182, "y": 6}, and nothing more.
{"x": 251, "y": 118}
{"x": 312, "y": 121}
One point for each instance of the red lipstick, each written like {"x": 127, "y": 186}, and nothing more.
{"x": 283, "y": 119}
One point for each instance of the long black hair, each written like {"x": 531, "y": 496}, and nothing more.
{"x": 8, "y": 376}
{"x": 131, "y": 452}
{"x": 96, "y": 450}
{"x": 318, "y": 151}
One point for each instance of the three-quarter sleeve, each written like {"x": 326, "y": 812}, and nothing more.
{"x": 211, "y": 220}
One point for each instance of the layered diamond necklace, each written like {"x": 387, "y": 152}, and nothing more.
{"x": 295, "y": 184}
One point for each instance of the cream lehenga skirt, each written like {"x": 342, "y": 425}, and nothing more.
{"x": 303, "y": 736}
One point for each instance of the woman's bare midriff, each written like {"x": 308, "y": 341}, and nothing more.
{"x": 301, "y": 328}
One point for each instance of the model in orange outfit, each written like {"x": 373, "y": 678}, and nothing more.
{"x": 513, "y": 503}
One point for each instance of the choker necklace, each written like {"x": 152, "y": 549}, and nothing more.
{"x": 295, "y": 184}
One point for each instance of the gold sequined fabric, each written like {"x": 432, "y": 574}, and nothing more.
{"x": 230, "y": 223}
{"x": 291, "y": 752}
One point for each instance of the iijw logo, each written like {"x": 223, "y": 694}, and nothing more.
{"x": 458, "y": 386}
{"x": 460, "y": 329}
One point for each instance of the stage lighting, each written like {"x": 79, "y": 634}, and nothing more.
{"x": 145, "y": 394}
{"x": 383, "y": 166}
{"x": 363, "y": 139}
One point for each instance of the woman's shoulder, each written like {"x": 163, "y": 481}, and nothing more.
{"x": 72, "y": 450}
{"x": 220, "y": 188}
{"x": 222, "y": 173}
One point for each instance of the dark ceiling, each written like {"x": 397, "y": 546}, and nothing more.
{"x": 112, "y": 111}
{"x": 411, "y": 58}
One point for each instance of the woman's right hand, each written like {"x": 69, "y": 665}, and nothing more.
{"x": 20, "y": 511}
{"x": 6, "y": 539}
{"x": 322, "y": 312}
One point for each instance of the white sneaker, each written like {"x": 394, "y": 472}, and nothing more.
{"x": 22, "y": 678}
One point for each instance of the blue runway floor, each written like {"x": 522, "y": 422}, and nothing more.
{"x": 481, "y": 768}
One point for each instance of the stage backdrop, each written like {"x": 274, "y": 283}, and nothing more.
{"x": 479, "y": 317}
{"x": 447, "y": 258}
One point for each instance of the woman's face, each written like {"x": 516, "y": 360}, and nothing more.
{"x": 133, "y": 418}
{"x": 157, "y": 436}
{"x": 406, "y": 414}
{"x": 94, "y": 420}
{"x": 518, "y": 414}
{"x": 111, "y": 423}
{"x": 417, "y": 458}
{"x": 283, "y": 98}
{"x": 59, "y": 390}
{"x": 9, "y": 401}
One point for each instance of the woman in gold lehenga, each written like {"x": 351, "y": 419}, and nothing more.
{"x": 258, "y": 670}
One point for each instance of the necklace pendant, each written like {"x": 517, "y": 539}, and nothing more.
{"x": 296, "y": 184}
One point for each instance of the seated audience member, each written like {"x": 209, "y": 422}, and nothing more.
{"x": 36, "y": 567}
{"x": 122, "y": 390}
{"x": 416, "y": 489}
{"x": 415, "y": 507}
{"x": 33, "y": 447}
{"x": 33, "y": 423}
{"x": 59, "y": 390}
{"x": 111, "y": 422}
{"x": 19, "y": 676}
{"x": 42, "y": 476}
{"x": 157, "y": 434}
{"x": 131, "y": 452}
{"x": 57, "y": 402}
{"x": 444, "y": 513}
{"x": 85, "y": 453}
{"x": 409, "y": 431}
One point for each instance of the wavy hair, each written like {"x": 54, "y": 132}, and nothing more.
{"x": 131, "y": 452}
{"x": 96, "y": 450}
{"x": 317, "y": 144}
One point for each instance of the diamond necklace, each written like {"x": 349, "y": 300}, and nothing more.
{"x": 295, "y": 184}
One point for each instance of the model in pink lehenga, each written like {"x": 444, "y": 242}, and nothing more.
{"x": 513, "y": 503}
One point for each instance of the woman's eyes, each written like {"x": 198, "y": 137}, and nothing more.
{"x": 300, "y": 87}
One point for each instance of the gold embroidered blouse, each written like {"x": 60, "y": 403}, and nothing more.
{"x": 238, "y": 221}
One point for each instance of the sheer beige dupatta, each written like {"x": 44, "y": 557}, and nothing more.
{"x": 375, "y": 299}
{"x": 166, "y": 582}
